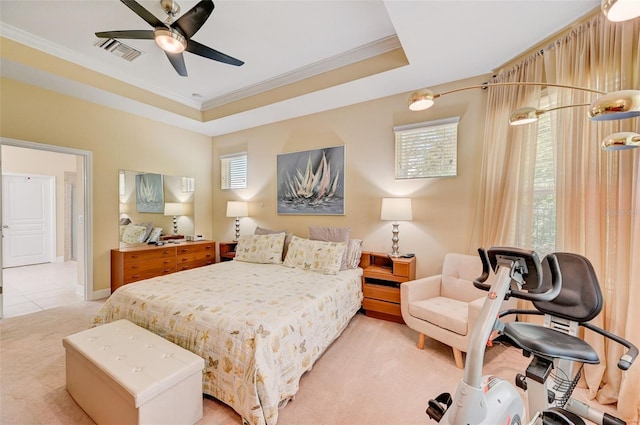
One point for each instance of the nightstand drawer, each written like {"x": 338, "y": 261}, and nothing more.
{"x": 383, "y": 293}
{"x": 383, "y": 307}
{"x": 401, "y": 268}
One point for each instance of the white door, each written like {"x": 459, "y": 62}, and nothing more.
{"x": 27, "y": 219}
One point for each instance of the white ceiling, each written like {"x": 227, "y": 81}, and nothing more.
{"x": 281, "y": 42}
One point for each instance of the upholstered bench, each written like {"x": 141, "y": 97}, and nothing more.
{"x": 120, "y": 373}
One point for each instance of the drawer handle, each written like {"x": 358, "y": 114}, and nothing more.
{"x": 185, "y": 249}
{"x": 167, "y": 261}
{"x": 166, "y": 252}
{"x": 185, "y": 259}
{"x": 135, "y": 276}
{"x": 134, "y": 267}
{"x": 208, "y": 255}
{"x": 134, "y": 256}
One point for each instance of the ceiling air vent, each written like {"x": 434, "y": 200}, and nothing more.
{"x": 119, "y": 49}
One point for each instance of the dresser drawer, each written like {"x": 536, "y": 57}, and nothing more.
{"x": 154, "y": 263}
{"x": 195, "y": 256}
{"x": 191, "y": 247}
{"x": 135, "y": 275}
{"x": 150, "y": 254}
{"x": 381, "y": 307}
{"x": 383, "y": 293}
{"x": 194, "y": 264}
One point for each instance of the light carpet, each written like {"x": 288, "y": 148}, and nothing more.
{"x": 372, "y": 375}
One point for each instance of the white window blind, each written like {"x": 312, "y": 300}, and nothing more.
{"x": 233, "y": 169}
{"x": 427, "y": 149}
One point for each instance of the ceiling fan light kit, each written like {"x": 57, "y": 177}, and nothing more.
{"x": 620, "y": 10}
{"x": 174, "y": 37}
{"x": 170, "y": 40}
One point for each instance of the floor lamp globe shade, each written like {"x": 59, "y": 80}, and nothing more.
{"x": 621, "y": 141}
{"x": 617, "y": 105}
{"x": 620, "y": 10}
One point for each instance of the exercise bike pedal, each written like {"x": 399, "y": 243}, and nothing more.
{"x": 559, "y": 416}
{"x": 521, "y": 381}
{"x": 438, "y": 406}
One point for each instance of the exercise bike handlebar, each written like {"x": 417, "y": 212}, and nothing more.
{"x": 632, "y": 351}
{"x": 548, "y": 295}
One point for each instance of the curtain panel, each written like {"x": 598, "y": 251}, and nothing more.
{"x": 597, "y": 192}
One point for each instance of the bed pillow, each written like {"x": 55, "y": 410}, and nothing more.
{"x": 332, "y": 234}
{"x": 287, "y": 239}
{"x": 354, "y": 252}
{"x": 134, "y": 234}
{"x": 263, "y": 249}
{"x": 318, "y": 256}
{"x": 154, "y": 236}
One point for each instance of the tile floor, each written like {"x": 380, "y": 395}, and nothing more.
{"x": 29, "y": 289}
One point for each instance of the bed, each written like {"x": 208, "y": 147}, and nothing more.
{"x": 258, "y": 326}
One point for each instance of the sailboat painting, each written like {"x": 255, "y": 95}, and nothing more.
{"x": 149, "y": 193}
{"x": 311, "y": 182}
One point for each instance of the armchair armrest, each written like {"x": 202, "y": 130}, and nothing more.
{"x": 420, "y": 289}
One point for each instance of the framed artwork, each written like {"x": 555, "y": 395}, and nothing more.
{"x": 311, "y": 182}
{"x": 149, "y": 193}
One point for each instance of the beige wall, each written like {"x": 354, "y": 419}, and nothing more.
{"x": 117, "y": 140}
{"x": 443, "y": 208}
{"x": 28, "y": 161}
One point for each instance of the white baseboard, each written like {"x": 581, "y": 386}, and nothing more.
{"x": 98, "y": 295}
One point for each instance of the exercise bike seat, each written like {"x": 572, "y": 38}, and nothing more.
{"x": 579, "y": 300}
{"x": 549, "y": 343}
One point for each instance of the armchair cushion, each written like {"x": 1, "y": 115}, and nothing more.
{"x": 443, "y": 312}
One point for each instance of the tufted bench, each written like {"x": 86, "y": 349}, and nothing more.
{"x": 120, "y": 373}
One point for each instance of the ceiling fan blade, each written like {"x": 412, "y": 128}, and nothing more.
{"x": 143, "y": 13}
{"x": 177, "y": 60}
{"x": 191, "y": 21}
{"x": 132, "y": 34}
{"x": 208, "y": 52}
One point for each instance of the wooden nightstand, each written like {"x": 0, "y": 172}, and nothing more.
{"x": 227, "y": 250}
{"x": 381, "y": 282}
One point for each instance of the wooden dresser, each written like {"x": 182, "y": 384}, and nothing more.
{"x": 143, "y": 262}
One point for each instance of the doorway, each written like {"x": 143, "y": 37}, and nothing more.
{"x": 71, "y": 262}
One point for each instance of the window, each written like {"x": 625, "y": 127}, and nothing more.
{"x": 544, "y": 187}
{"x": 427, "y": 149}
{"x": 233, "y": 171}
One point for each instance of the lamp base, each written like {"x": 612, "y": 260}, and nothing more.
{"x": 395, "y": 255}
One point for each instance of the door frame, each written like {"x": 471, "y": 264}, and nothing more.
{"x": 87, "y": 225}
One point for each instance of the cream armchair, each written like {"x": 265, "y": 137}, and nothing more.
{"x": 446, "y": 306}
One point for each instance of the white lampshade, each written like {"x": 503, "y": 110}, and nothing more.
{"x": 396, "y": 209}
{"x": 237, "y": 209}
{"x": 173, "y": 208}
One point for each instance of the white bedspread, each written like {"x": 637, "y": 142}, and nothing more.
{"x": 259, "y": 327}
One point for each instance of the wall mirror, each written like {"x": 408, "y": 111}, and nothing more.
{"x": 155, "y": 201}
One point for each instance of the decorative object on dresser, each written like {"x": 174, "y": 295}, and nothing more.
{"x": 143, "y": 262}
{"x": 228, "y": 250}
{"x": 174, "y": 209}
{"x": 237, "y": 209}
{"x": 396, "y": 209}
{"x": 381, "y": 280}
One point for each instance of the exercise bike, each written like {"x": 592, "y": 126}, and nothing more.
{"x": 564, "y": 288}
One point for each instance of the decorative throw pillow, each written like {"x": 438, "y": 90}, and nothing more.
{"x": 123, "y": 227}
{"x": 354, "y": 252}
{"x": 264, "y": 249}
{"x": 332, "y": 234}
{"x": 149, "y": 228}
{"x": 318, "y": 256}
{"x": 287, "y": 239}
{"x": 154, "y": 236}
{"x": 134, "y": 234}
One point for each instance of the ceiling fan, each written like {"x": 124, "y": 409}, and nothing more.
{"x": 174, "y": 37}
